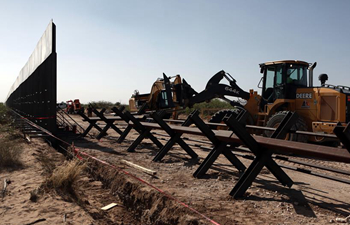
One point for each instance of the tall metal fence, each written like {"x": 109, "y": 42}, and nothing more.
{"x": 34, "y": 93}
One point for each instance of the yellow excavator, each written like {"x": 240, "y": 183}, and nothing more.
{"x": 287, "y": 85}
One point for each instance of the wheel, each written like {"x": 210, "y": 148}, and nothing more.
{"x": 299, "y": 125}
{"x": 219, "y": 116}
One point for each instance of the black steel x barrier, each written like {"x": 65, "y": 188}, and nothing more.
{"x": 109, "y": 123}
{"x": 143, "y": 131}
{"x": 343, "y": 133}
{"x": 174, "y": 137}
{"x": 220, "y": 147}
{"x": 119, "y": 112}
{"x": 263, "y": 155}
{"x": 92, "y": 123}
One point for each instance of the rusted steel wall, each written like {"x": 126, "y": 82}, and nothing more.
{"x": 34, "y": 92}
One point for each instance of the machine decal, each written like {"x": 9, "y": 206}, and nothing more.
{"x": 232, "y": 90}
{"x": 304, "y": 95}
{"x": 305, "y": 104}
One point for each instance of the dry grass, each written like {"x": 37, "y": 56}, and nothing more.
{"x": 46, "y": 163}
{"x": 10, "y": 147}
{"x": 64, "y": 176}
{"x": 10, "y": 155}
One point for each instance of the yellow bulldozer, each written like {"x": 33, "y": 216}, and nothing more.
{"x": 287, "y": 85}
{"x": 168, "y": 93}
{"x": 157, "y": 99}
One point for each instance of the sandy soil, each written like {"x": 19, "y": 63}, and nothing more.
{"x": 311, "y": 200}
{"x": 16, "y": 208}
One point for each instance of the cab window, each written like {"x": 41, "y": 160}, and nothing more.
{"x": 279, "y": 79}
{"x": 297, "y": 75}
{"x": 273, "y": 77}
{"x": 270, "y": 76}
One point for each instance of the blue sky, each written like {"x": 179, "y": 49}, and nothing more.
{"x": 107, "y": 49}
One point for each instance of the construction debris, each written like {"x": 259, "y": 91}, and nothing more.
{"x": 5, "y": 186}
{"x": 107, "y": 207}
{"x": 343, "y": 220}
{"x": 148, "y": 171}
{"x": 36, "y": 221}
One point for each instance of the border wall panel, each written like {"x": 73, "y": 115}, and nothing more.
{"x": 34, "y": 93}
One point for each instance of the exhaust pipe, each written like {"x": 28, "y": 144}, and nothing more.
{"x": 311, "y": 73}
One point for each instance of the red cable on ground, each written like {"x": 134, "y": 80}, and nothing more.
{"x": 77, "y": 152}
{"x": 150, "y": 185}
{"x": 39, "y": 118}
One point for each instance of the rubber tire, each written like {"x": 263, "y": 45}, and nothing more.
{"x": 219, "y": 116}
{"x": 300, "y": 125}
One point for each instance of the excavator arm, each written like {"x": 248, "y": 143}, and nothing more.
{"x": 216, "y": 90}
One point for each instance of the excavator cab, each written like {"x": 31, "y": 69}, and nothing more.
{"x": 282, "y": 78}
{"x": 164, "y": 102}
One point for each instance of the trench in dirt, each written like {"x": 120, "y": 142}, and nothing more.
{"x": 146, "y": 205}
{"x": 137, "y": 203}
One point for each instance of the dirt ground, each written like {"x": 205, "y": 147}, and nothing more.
{"x": 51, "y": 207}
{"x": 311, "y": 200}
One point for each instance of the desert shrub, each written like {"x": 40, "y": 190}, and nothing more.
{"x": 127, "y": 108}
{"x": 10, "y": 154}
{"x": 46, "y": 163}
{"x": 4, "y": 114}
{"x": 64, "y": 176}
{"x": 213, "y": 104}
{"x": 102, "y": 104}
{"x": 106, "y": 104}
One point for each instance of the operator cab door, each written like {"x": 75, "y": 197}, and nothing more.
{"x": 164, "y": 100}
{"x": 282, "y": 80}
{"x": 273, "y": 83}
{"x": 296, "y": 77}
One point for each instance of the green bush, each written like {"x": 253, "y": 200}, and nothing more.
{"x": 127, "y": 108}
{"x": 106, "y": 104}
{"x": 209, "y": 108}
{"x": 101, "y": 104}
